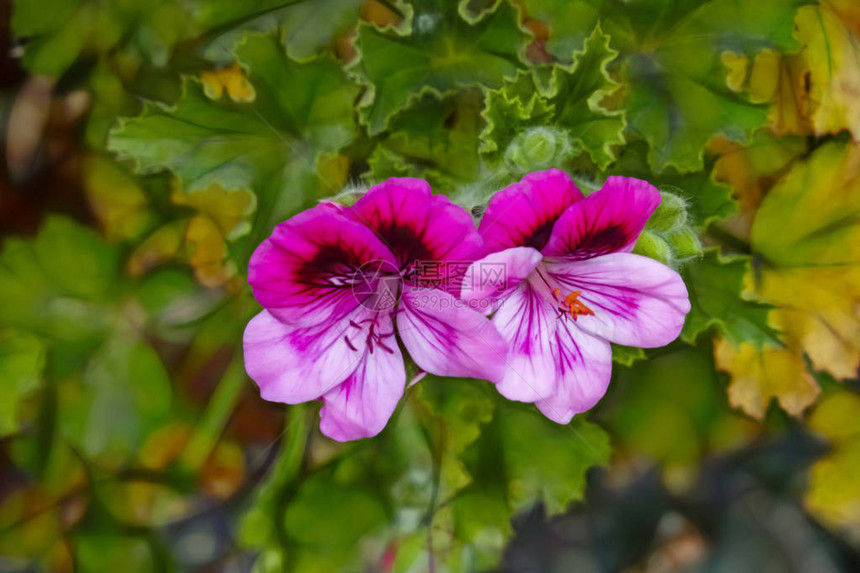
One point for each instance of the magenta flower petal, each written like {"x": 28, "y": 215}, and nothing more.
{"x": 306, "y": 271}
{"x": 523, "y": 214}
{"x": 607, "y": 221}
{"x": 446, "y": 337}
{"x": 634, "y": 300}
{"x": 361, "y": 406}
{"x": 421, "y": 229}
{"x": 528, "y": 321}
{"x": 570, "y": 287}
{"x": 584, "y": 367}
{"x": 294, "y": 364}
{"x": 493, "y": 276}
{"x": 331, "y": 281}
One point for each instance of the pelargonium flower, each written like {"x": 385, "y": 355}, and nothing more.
{"x": 572, "y": 286}
{"x": 336, "y": 285}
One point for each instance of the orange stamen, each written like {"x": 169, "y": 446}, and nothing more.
{"x": 575, "y": 306}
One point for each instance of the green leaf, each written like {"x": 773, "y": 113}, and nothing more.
{"x": 22, "y": 361}
{"x": 59, "y": 283}
{"x": 110, "y": 100}
{"x": 545, "y": 461}
{"x": 105, "y": 552}
{"x": 125, "y": 395}
{"x": 452, "y": 414}
{"x": 677, "y": 97}
{"x": 626, "y": 355}
{"x": 508, "y": 109}
{"x": 321, "y": 547}
{"x": 270, "y": 145}
{"x": 76, "y": 259}
{"x": 307, "y": 27}
{"x": 435, "y": 140}
{"x": 569, "y": 22}
{"x": 568, "y": 98}
{"x": 672, "y": 409}
{"x": 577, "y": 92}
{"x": 116, "y": 198}
{"x": 60, "y": 32}
{"x": 441, "y": 49}
{"x": 716, "y": 286}
{"x": 312, "y": 25}
{"x": 217, "y": 13}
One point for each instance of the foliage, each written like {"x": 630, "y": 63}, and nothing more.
{"x": 128, "y": 420}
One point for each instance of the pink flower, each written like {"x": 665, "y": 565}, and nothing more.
{"x": 333, "y": 279}
{"x": 572, "y": 286}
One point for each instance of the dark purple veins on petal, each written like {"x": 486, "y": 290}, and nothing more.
{"x": 539, "y": 237}
{"x": 600, "y": 242}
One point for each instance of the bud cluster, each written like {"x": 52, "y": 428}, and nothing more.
{"x": 538, "y": 148}
{"x": 668, "y": 236}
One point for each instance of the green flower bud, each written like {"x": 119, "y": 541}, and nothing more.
{"x": 537, "y": 148}
{"x": 671, "y": 214}
{"x": 653, "y": 246}
{"x": 350, "y": 194}
{"x": 684, "y": 242}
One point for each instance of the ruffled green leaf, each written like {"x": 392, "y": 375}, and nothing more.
{"x": 434, "y": 141}
{"x": 677, "y": 98}
{"x": 566, "y": 98}
{"x": 307, "y": 27}
{"x": 546, "y": 461}
{"x": 441, "y": 48}
{"x": 716, "y": 285}
{"x": 271, "y": 144}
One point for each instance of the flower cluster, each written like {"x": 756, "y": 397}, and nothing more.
{"x": 531, "y": 300}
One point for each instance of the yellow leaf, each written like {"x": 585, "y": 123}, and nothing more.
{"x": 777, "y": 79}
{"x": 200, "y": 239}
{"x": 116, "y": 199}
{"x": 213, "y": 87}
{"x": 223, "y": 473}
{"x": 806, "y": 237}
{"x": 836, "y": 417}
{"x": 229, "y": 210}
{"x": 751, "y": 169}
{"x": 807, "y": 232}
{"x": 818, "y": 313}
{"x": 161, "y": 246}
{"x": 737, "y": 67}
{"x": 834, "y": 481}
{"x": 333, "y": 168}
{"x": 761, "y": 375}
{"x": 208, "y": 252}
{"x": 231, "y": 79}
{"x": 831, "y": 33}
{"x": 848, "y": 11}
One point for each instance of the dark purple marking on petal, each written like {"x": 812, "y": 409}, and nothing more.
{"x": 306, "y": 271}
{"x": 523, "y": 214}
{"x": 607, "y": 221}
{"x": 420, "y": 228}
